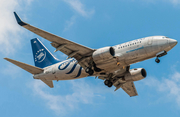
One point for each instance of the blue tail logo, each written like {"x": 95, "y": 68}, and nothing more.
{"x": 42, "y": 56}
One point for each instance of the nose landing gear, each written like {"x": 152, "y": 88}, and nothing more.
{"x": 157, "y": 60}
{"x": 160, "y": 54}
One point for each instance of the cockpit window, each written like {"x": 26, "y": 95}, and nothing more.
{"x": 165, "y": 37}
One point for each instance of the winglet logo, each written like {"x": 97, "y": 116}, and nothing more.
{"x": 40, "y": 56}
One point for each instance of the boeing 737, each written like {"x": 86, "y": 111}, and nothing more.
{"x": 111, "y": 63}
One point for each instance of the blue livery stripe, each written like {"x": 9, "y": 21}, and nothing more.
{"x": 72, "y": 69}
{"x": 66, "y": 65}
{"x": 79, "y": 73}
{"x": 135, "y": 49}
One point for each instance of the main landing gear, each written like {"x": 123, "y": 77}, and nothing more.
{"x": 90, "y": 71}
{"x": 108, "y": 83}
{"x": 160, "y": 54}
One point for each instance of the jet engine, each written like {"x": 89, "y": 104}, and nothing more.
{"x": 103, "y": 54}
{"x": 135, "y": 74}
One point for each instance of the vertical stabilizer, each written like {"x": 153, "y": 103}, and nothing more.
{"x": 42, "y": 56}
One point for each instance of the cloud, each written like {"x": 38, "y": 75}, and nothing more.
{"x": 82, "y": 93}
{"x": 9, "y": 30}
{"x": 170, "y": 86}
{"x": 80, "y": 8}
{"x": 69, "y": 23}
{"x": 174, "y": 2}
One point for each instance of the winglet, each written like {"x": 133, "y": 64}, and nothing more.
{"x": 18, "y": 19}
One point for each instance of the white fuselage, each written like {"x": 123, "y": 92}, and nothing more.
{"x": 125, "y": 54}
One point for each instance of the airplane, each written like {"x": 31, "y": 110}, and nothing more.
{"x": 111, "y": 63}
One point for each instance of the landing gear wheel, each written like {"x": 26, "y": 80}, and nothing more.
{"x": 89, "y": 71}
{"x": 108, "y": 83}
{"x": 157, "y": 60}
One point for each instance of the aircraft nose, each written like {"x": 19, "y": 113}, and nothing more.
{"x": 172, "y": 42}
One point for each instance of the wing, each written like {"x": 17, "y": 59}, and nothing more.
{"x": 130, "y": 89}
{"x": 71, "y": 49}
{"x": 118, "y": 82}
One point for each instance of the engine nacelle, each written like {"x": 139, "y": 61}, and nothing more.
{"x": 103, "y": 54}
{"x": 135, "y": 74}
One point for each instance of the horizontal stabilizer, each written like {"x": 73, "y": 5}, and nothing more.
{"x": 130, "y": 89}
{"x": 28, "y": 68}
{"x": 48, "y": 82}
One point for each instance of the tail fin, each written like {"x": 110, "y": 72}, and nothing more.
{"x": 42, "y": 56}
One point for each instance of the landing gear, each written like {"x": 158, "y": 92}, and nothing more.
{"x": 157, "y": 60}
{"x": 89, "y": 71}
{"x": 96, "y": 68}
{"x": 108, "y": 83}
{"x": 160, "y": 54}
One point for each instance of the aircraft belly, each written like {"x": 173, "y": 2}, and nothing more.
{"x": 106, "y": 63}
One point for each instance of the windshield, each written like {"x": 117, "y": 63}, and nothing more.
{"x": 165, "y": 37}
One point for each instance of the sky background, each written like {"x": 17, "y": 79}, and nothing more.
{"x": 94, "y": 24}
